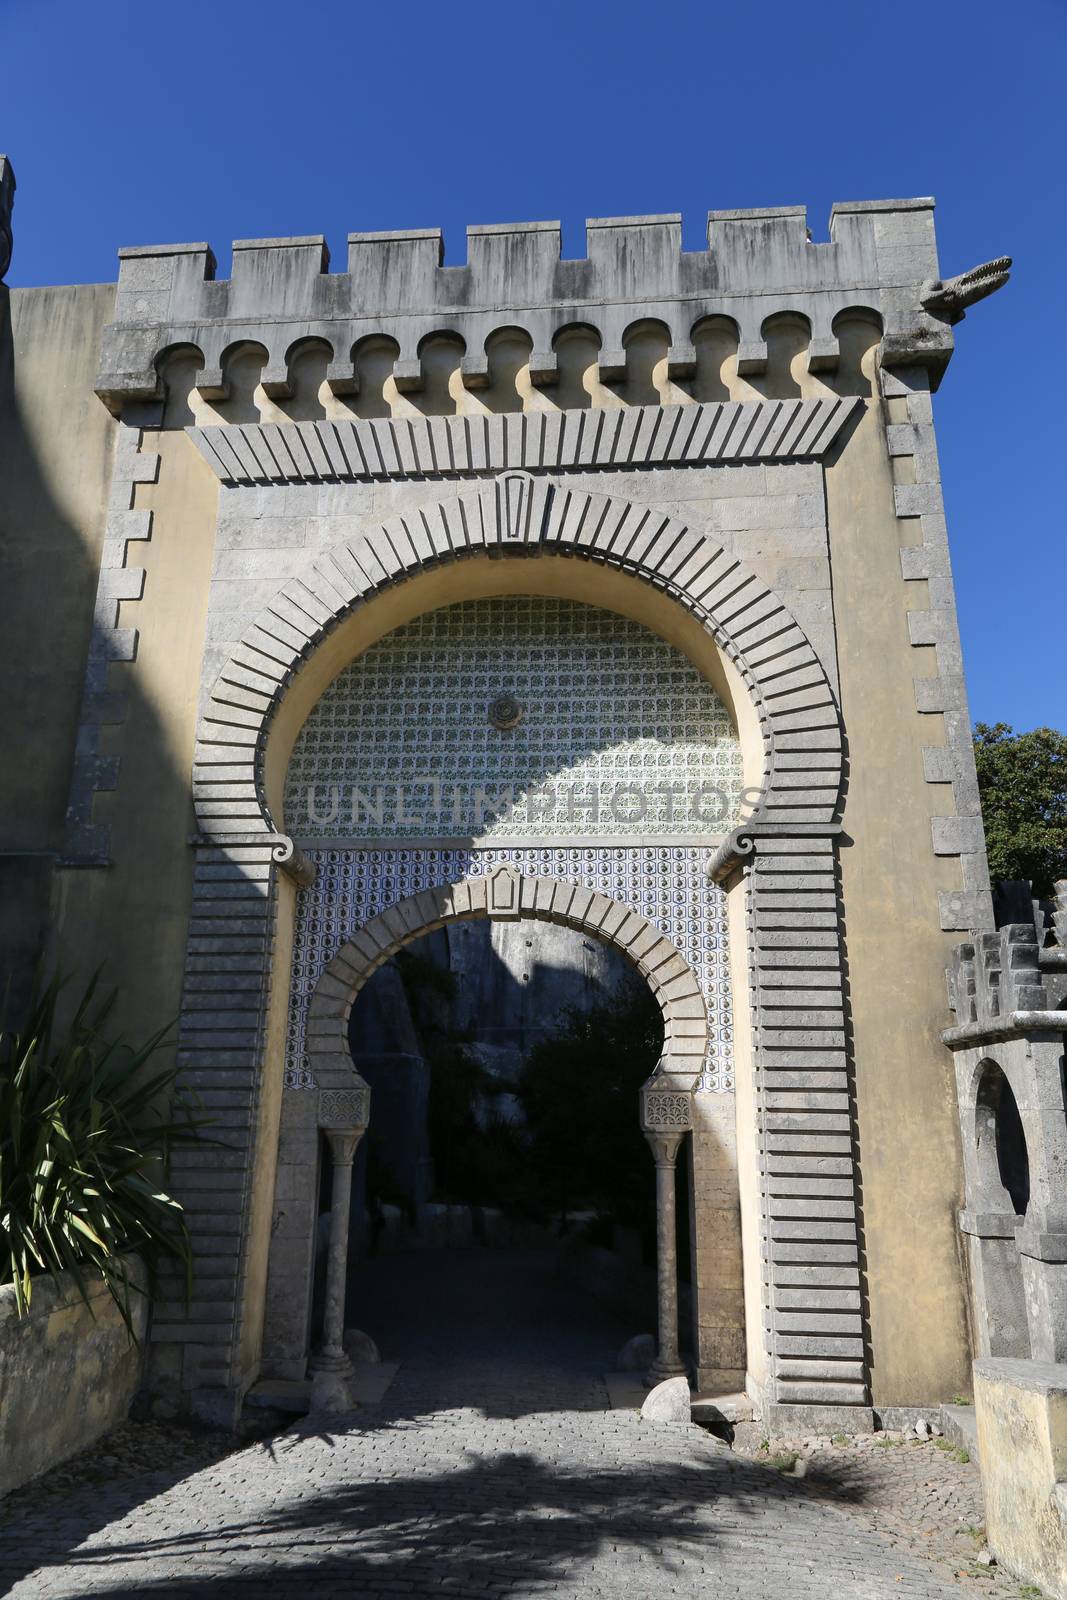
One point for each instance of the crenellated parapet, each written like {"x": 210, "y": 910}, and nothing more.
{"x": 1020, "y": 967}
{"x": 1008, "y": 989}
{"x": 397, "y": 295}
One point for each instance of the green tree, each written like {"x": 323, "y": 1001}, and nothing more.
{"x": 1022, "y": 781}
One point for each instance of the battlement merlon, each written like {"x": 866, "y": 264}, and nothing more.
{"x": 758, "y": 263}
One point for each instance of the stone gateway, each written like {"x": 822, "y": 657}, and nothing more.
{"x": 611, "y": 594}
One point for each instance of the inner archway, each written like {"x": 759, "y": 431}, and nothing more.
{"x": 503, "y": 1178}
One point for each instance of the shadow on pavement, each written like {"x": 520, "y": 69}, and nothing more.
{"x": 500, "y": 1525}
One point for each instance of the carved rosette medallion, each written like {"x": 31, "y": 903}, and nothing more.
{"x": 505, "y": 712}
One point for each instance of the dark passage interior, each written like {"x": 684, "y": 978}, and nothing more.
{"x": 504, "y": 1060}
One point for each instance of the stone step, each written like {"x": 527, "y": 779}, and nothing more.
{"x": 722, "y": 1408}
{"x": 959, "y": 1424}
{"x": 368, "y": 1384}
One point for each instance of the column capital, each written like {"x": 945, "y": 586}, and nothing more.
{"x": 343, "y": 1143}
{"x": 664, "y": 1145}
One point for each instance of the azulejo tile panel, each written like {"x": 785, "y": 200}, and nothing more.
{"x": 666, "y": 883}
{"x": 516, "y": 717}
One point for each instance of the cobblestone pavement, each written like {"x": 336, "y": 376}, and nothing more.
{"x": 491, "y": 1469}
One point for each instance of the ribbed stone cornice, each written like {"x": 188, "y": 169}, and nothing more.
{"x": 427, "y": 447}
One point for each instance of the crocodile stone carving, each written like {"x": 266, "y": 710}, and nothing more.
{"x": 948, "y": 298}
{"x": 7, "y": 200}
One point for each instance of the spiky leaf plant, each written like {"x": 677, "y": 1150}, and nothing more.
{"x": 85, "y": 1127}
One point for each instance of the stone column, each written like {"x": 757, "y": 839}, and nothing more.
{"x": 668, "y": 1363}
{"x": 330, "y": 1367}
{"x": 666, "y": 1118}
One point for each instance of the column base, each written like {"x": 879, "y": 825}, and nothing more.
{"x": 661, "y": 1370}
{"x": 330, "y": 1373}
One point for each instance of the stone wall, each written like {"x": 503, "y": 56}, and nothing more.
{"x": 1021, "y": 1410}
{"x": 55, "y": 467}
{"x": 68, "y": 1373}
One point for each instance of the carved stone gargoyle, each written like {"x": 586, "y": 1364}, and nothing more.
{"x": 948, "y": 298}
{"x": 7, "y": 200}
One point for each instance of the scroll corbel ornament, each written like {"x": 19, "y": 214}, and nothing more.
{"x": 292, "y": 860}
{"x": 732, "y": 853}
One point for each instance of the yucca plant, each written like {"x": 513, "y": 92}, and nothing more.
{"x": 85, "y": 1127}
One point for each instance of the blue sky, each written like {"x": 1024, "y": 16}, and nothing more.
{"x": 133, "y": 124}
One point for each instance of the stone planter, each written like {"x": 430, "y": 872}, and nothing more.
{"x": 67, "y": 1373}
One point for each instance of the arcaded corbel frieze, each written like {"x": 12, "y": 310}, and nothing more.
{"x": 248, "y": 454}
{"x": 880, "y": 257}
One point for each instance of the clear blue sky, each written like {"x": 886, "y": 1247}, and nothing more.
{"x": 134, "y": 124}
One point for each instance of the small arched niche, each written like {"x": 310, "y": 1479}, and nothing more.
{"x": 242, "y": 370}
{"x": 307, "y": 361}
{"x": 787, "y": 336}
{"x": 507, "y": 352}
{"x": 1000, "y": 1141}
{"x": 647, "y": 345}
{"x": 858, "y": 332}
{"x": 577, "y": 348}
{"x": 374, "y": 359}
{"x": 178, "y": 368}
{"x": 441, "y": 394}
{"x": 715, "y": 340}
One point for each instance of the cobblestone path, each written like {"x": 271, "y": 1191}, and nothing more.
{"x": 490, "y": 1469}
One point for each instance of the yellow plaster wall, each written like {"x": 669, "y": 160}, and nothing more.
{"x": 133, "y": 915}
{"x": 908, "y": 1136}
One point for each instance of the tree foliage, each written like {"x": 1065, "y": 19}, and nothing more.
{"x": 1022, "y": 782}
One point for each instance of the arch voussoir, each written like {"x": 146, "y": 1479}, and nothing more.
{"x": 792, "y": 697}
{"x": 670, "y": 978}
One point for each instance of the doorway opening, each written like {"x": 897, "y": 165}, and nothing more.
{"x": 504, "y": 1146}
